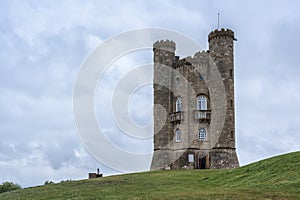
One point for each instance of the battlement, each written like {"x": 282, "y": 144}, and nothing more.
{"x": 182, "y": 62}
{"x": 201, "y": 54}
{"x": 221, "y": 33}
{"x": 167, "y": 45}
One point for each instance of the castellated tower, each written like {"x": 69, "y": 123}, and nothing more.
{"x": 194, "y": 123}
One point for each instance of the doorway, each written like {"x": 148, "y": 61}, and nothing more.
{"x": 202, "y": 163}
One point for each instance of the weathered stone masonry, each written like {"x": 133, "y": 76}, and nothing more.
{"x": 188, "y": 91}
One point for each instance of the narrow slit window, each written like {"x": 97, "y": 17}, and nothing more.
{"x": 177, "y": 81}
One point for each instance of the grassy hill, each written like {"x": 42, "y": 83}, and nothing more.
{"x": 273, "y": 178}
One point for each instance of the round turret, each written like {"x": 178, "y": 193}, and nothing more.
{"x": 164, "y": 52}
{"x": 167, "y": 45}
{"x": 221, "y": 48}
{"x": 223, "y": 33}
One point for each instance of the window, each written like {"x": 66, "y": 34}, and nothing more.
{"x": 191, "y": 158}
{"x": 231, "y": 135}
{"x": 231, "y": 73}
{"x": 178, "y": 105}
{"x": 201, "y": 103}
{"x": 177, "y": 81}
{"x": 202, "y": 134}
{"x": 201, "y": 77}
{"x": 178, "y": 135}
{"x": 231, "y": 103}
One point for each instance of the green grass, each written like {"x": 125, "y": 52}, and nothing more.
{"x": 273, "y": 178}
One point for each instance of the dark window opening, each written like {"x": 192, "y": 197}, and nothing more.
{"x": 231, "y": 135}
{"x": 231, "y": 73}
{"x": 201, "y": 77}
{"x": 231, "y": 103}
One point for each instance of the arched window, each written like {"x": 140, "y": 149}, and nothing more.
{"x": 201, "y": 103}
{"x": 178, "y": 135}
{"x": 177, "y": 81}
{"x": 202, "y": 134}
{"x": 178, "y": 105}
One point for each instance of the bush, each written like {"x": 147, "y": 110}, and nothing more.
{"x": 65, "y": 181}
{"x": 49, "y": 182}
{"x": 9, "y": 186}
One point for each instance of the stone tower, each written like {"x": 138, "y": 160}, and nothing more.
{"x": 194, "y": 121}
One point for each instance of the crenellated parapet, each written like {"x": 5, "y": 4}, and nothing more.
{"x": 181, "y": 63}
{"x": 223, "y": 33}
{"x": 200, "y": 55}
{"x": 167, "y": 45}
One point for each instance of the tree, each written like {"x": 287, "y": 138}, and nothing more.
{"x": 48, "y": 182}
{"x": 9, "y": 186}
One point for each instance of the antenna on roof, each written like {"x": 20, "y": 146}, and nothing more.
{"x": 218, "y": 20}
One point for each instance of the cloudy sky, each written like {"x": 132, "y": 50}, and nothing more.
{"x": 44, "y": 43}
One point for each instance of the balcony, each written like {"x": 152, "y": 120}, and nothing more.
{"x": 202, "y": 115}
{"x": 176, "y": 117}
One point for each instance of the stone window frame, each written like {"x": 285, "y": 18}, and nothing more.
{"x": 201, "y": 77}
{"x": 191, "y": 158}
{"x": 199, "y": 103}
{"x": 177, "y": 135}
{"x": 178, "y": 104}
{"x": 177, "y": 81}
{"x": 202, "y": 134}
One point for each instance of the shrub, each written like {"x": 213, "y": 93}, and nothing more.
{"x": 48, "y": 182}
{"x": 65, "y": 181}
{"x": 9, "y": 186}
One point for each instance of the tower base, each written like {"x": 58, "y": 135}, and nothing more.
{"x": 221, "y": 158}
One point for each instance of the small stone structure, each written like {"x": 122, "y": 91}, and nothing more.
{"x": 95, "y": 175}
{"x": 190, "y": 93}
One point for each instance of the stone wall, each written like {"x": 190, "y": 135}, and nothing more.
{"x": 207, "y": 73}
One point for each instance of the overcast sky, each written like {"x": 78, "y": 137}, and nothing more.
{"x": 44, "y": 43}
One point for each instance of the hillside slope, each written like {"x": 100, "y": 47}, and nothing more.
{"x": 274, "y": 178}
